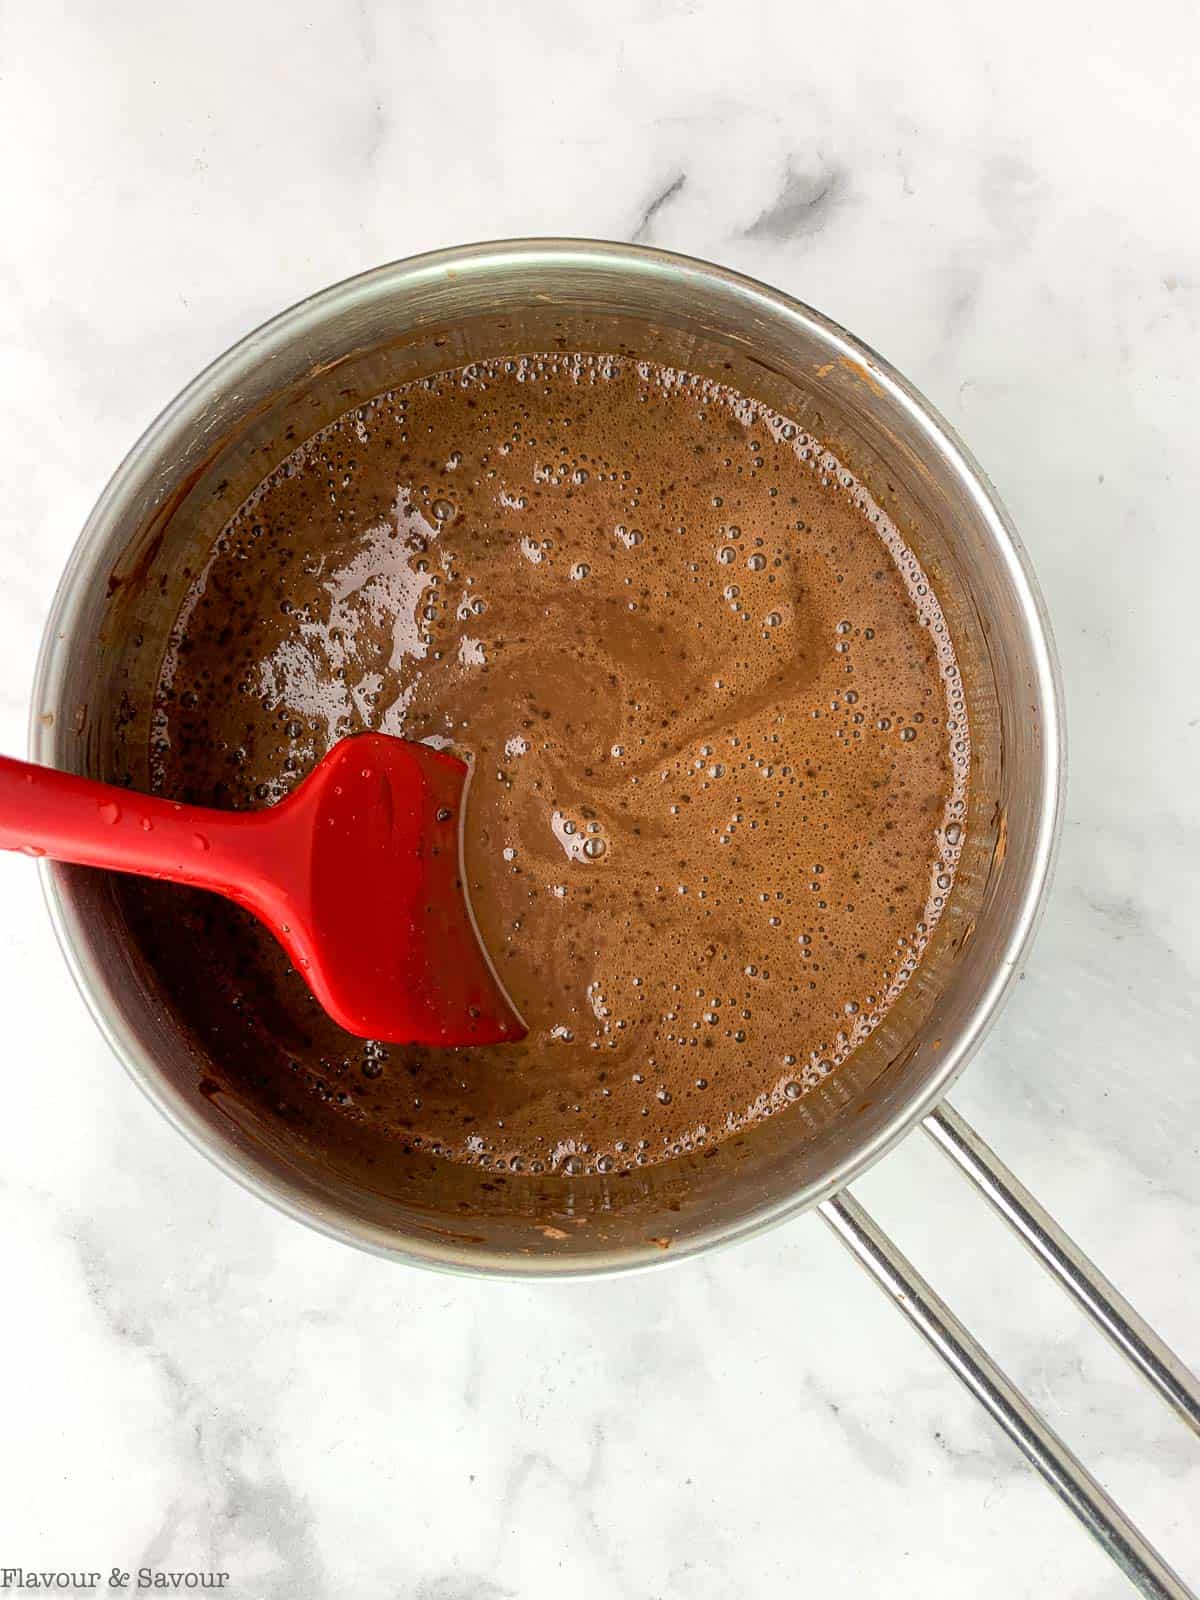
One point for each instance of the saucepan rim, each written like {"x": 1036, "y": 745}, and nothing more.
{"x": 186, "y": 411}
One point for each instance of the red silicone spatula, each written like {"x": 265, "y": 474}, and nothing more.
{"x": 357, "y": 874}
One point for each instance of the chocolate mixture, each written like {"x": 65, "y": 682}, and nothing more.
{"x": 717, "y": 729}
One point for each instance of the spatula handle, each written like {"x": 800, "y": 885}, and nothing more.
{"x": 44, "y": 812}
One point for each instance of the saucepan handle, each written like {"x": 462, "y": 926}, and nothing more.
{"x": 967, "y": 1359}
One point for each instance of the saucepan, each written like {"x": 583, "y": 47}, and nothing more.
{"x": 167, "y": 503}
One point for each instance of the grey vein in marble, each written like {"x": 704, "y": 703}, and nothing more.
{"x": 803, "y": 205}
{"x": 661, "y": 199}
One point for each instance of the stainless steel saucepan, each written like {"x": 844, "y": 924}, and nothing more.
{"x": 168, "y": 501}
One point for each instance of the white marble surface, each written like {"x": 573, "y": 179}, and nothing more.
{"x": 1000, "y": 199}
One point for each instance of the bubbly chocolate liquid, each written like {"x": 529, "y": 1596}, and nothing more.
{"x": 717, "y": 728}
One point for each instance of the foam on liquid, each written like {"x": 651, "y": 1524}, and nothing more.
{"x": 717, "y": 727}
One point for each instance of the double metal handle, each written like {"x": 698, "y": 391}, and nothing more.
{"x": 967, "y": 1359}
